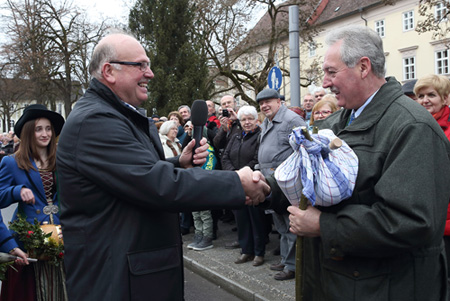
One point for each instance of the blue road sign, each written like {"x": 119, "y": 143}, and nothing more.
{"x": 275, "y": 78}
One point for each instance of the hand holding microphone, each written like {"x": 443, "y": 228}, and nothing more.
{"x": 199, "y": 115}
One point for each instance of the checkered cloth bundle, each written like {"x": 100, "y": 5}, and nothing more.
{"x": 324, "y": 176}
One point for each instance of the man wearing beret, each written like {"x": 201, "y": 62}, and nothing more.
{"x": 273, "y": 150}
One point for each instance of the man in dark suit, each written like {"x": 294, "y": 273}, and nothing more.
{"x": 119, "y": 197}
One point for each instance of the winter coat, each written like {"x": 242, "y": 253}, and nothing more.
{"x": 120, "y": 201}
{"x": 241, "y": 151}
{"x": 274, "y": 145}
{"x": 12, "y": 179}
{"x": 385, "y": 242}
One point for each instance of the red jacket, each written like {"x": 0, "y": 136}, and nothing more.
{"x": 213, "y": 118}
{"x": 443, "y": 118}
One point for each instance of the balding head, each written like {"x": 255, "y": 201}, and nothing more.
{"x": 228, "y": 101}
{"x": 111, "y": 47}
{"x": 121, "y": 63}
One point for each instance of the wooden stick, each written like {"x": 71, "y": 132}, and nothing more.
{"x": 299, "y": 244}
{"x": 335, "y": 143}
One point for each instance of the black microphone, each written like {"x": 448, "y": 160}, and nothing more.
{"x": 199, "y": 115}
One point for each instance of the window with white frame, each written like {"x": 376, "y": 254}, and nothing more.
{"x": 440, "y": 11}
{"x": 409, "y": 68}
{"x": 442, "y": 62}
{"x": 408, "y": 20}
{"x": 379, "y": 28}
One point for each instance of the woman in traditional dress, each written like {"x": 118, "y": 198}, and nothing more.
{"x": 28, "y": 179}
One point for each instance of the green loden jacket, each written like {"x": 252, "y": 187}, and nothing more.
{"x": 385, "y": 242}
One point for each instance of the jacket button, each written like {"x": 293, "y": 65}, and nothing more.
{"x": 356, "y": 273}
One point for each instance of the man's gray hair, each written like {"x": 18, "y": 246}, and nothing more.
{"x": 104, "y": 53}
{"x": 318, "y": 89}
{"x": 358, "y": 42}
{"x": 184, "y": 106}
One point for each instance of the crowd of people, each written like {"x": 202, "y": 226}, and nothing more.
{"x": 124, "y": 187}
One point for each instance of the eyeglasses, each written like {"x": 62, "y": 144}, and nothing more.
{"x": 142, "y": 65}
{"x": 323, "y": 113}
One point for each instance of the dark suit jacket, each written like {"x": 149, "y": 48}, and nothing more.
{"x": 119, "y": 203}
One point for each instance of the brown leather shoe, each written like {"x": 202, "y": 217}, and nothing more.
{"x": 277, "y": 266}
{"x": 284, "y": 275}
{"x": 259, "y": 260}
{"x": 244, "y": 258}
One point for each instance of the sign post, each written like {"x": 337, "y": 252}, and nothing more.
{"x": 275, "y": 78}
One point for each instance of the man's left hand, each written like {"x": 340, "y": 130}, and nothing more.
{"x": 199, "y": 157}
{"x": 304, "y": 222}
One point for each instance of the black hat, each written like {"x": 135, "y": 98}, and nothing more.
{"x": 408, "y": 87}
{"x": 36, "y": 111}
{"x": 267, "y": 94}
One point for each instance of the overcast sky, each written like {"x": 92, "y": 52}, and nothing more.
{"x": 117, "y": 9}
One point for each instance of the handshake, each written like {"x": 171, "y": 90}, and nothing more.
{"x": 254, "y": 184}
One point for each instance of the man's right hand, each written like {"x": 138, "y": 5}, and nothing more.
{"x": 255, "y": 189}
{"x": 224, "y": 123}
{"x": 224, "y": 120}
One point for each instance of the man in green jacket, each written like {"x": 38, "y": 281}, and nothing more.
{"x": 385, "y": 241}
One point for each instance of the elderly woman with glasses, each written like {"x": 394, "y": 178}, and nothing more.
{"x": 168, "y": 134}
{"x": 242, "y": 150}
{"x": 322, "y": 110}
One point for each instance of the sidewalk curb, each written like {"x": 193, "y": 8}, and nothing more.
{"x": 227, "y": 284}
{"x": 244, "y": 281}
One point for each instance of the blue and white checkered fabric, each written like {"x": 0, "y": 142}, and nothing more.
{"x": 324, "y": 176}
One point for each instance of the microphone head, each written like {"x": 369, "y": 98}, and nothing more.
{"x": 199, "y": 112}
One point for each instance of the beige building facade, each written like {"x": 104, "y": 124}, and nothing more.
{"x": 409, "y": 55}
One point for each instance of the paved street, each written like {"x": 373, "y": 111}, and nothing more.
{"x": 197, "y": 288}
{"x": 243, "y": 280}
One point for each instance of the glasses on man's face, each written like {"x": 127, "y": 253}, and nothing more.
{"x": 142, "y": 65}
{"x": 323, "y": 113}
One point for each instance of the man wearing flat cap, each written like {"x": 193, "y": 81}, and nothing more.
{"x": 273, "y": 150}
{"x": 408, "y": 89}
